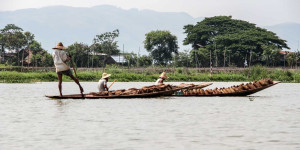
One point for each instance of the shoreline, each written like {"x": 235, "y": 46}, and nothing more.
{"x": 151, "y": 75}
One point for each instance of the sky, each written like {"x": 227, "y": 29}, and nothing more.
{"x": 260, "y": 12}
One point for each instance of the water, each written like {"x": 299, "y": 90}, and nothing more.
{"x": 30, "y": 121}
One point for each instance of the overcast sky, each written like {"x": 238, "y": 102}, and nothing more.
{"x": 261, "y": 12}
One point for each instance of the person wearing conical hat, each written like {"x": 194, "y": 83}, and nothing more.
{"x": 161, "y": 79}
{"x": 60, "y": 60}
{"x": 102, "y": 84}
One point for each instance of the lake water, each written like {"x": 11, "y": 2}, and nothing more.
{"x": 30, "y": 121}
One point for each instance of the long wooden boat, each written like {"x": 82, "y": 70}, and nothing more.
{"x": 235, "y": 93}
{"x": 142, "y": 95}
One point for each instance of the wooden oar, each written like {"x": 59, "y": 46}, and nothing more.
{"x": 112, "y": 84}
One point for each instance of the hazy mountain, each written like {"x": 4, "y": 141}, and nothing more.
{"x": 70, "y": 24}
{"x": 289, "y": 32}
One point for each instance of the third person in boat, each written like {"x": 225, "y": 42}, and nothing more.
{"x": 102, "y": 84}
{"x": 161, "y": 79}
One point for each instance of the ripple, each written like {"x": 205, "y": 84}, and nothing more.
{"x": 235, "y": 136}
{"x": 135, "y": 139}
{"x": 172, "y": 123}
{"x": 274, "y": 141}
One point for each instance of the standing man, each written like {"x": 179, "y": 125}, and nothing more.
{"x": 102, "y": 84}
{"x": 60, "y": 59}
{"x": 161, "y": 79}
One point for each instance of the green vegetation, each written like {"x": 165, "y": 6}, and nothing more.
{"x": 229, "y": 42}
{"x": 232, "y": 42}
{"x": 148, "y": 75}
{"x": 161, "y": 45}
{"x": 16, "y": 45}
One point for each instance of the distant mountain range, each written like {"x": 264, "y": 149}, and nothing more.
{"x": 289, "y": 32}
{"x": 79, "y": 24}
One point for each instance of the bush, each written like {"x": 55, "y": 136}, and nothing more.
{"x": 151, "y": 75}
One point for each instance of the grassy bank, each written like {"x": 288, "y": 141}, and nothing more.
{"x": 179, "y": 75}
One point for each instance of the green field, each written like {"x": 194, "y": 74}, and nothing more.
{"x": 147, "y": 75}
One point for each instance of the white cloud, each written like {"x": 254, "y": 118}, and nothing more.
{"x": 261, "y": 12}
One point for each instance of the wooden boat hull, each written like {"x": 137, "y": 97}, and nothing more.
{"x": 242, "y": 93}
{"x": 144, "y": 95}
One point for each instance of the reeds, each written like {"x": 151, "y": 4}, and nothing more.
{"x": 150, "y": 75}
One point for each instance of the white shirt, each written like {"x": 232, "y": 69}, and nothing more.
{"x": 101, "y": 84}
{"x": 158, "y": 81}
{"x": 59, "y": 58}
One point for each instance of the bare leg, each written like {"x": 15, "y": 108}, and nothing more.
{"x": 59, "y": 83}
{"x": 77, "y": 82}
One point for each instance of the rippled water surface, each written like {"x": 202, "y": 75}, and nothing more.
{"x": 30, "y": 121}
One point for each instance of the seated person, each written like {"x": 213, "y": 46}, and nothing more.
{"x": 161, "y": 79}
{"x": 102, "y": 84}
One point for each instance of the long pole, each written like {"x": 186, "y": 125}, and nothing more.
{"x": 112, "y": 84}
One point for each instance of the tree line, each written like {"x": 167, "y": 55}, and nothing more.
{"x": 218, "y": 41}
{"x": 14, "y": 40}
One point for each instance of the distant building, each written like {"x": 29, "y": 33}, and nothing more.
{"x": 119, "y": 59}
{"x": 111, "y": 59}
{"x": 28, "y": 56}
{"x": 9, "y": 54}
{"x": 283, "y": 54}
{"x": 115, "y": 59}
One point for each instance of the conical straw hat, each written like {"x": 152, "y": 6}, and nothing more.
{"x": 163, "y": 75}
{"x": 105, "y": 75}
{"x": 59, "y": 46}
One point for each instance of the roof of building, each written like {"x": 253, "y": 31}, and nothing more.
{"x": 285, "y": 52}
{"x": 119, "y": 58}
{"x": 98, "y": 54}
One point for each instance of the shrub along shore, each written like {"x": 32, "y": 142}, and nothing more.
{"x": 148, "y": 75}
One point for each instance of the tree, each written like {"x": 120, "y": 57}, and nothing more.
{"x": 275, "y": 56}
{"x": 2, "y": 42}
{"x": 241, "y": 37}
{"x": 271, "y": 55}
{"x": 200, "y": 57}
{"x": 183, "y": 59}
{"x": 14, "y": 39}
{"x": 80, "y": 54}
{"x": 291, "y": 59}
{"x": 161, "y": 45}
{"x": 131, "y": 59}
{"x": 42, "y": 59}
{"x": 144, "y": 61}
{"x": 105, "y": 43}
